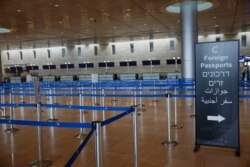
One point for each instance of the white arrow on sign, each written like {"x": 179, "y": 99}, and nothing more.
{"x": 218, "y": 118}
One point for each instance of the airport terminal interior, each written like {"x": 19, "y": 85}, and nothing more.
{"x": 124, "y": 83}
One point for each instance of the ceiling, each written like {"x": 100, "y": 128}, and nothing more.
{"x": 40, "y": 23}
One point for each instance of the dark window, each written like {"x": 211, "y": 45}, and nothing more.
{"x": 45, "y": 67}
{"x": 63, "y": 66}
{"x": 156, "y": 62}
{"x": 217, "y": 39}
{"x": 132, "y": 63}
{"x": 123, "y": 63}
{"x": 52, "y": 66}
{"x": 82, "y": 65}
{"x": 32, "y": 68}
{"x": 146, "y": 62}
{"x": 70, "y": 65}
{"x": 171, "y": 61}
{"x": 102, "y": 64}
{"x": 90, "y": 65}
{"x": 111, "y": 64}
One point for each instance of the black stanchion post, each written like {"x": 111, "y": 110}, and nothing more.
{"x": 169, "y": 142}
{"x": 12, "y": 129}
{"x": 98, "y": 144}
{"x": 176, "y": 125}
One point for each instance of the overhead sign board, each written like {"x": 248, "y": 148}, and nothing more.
{"x": 217, "y": 94}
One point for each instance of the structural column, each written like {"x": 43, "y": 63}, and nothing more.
{"x": 189, "y": 25}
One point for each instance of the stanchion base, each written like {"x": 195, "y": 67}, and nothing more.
{"x": 155, "y": 100}
{"x": 80, "y": 136}
{"x": 170, "y": 143}
{"x": 113, "y": 100}
{"x": 177, "y": 126}
{"x": 138, "y": 113}
{"x": 193, "y": 115}
{"x": 4, "y": 117}
{"x": 85, "y": 112}
{"x": 141, "y": 109}
{"x": 11, "y": 130}
{"x": 21, "y": 101}
{"x": 36, "y": 111}
{"x": 42, "y": 163}
{"x": 97, "y": 104}
{"x": 52, "y": 120}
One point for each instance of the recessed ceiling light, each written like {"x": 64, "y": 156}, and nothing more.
{"x": 4, "y": 30}
{"x": 114, "y": 27}
{"x": 19, "y": 10}
{"x": 60, "y": 22}
{"x": 201, "y": 6}
{"x": 56, "y": 5}
{"x": 145, "y": 24}
{"x": 215, "y": 17}
{"x": 216, "y": 25}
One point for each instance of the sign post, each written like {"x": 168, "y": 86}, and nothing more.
{"x": 217, "y": 95}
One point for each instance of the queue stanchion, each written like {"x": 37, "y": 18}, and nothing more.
{"x": 81, "y": 135}
{"x": 155, "y": 99}
{"x": 51, "y": 110}
{"x": 176, "y": 125}
{"x": 3, "y": 109}
{"x": 98, "y": 144}
{"x": 114, "y": 98}
{"x": 40, "y": 162}
{"x": 141, "y": 105}
{"x": 55, "y": 99}
{"x": 103, "y": 103}
{"x": 21, "y": 91}
{"x": 134, "y": 99}
{"x": 169, "y": 142}
{"x": 135, "y": 135}
{"x": 193, "y": 115}
{"x": 12, "y": 129}
{"x": 71, "y": 97}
